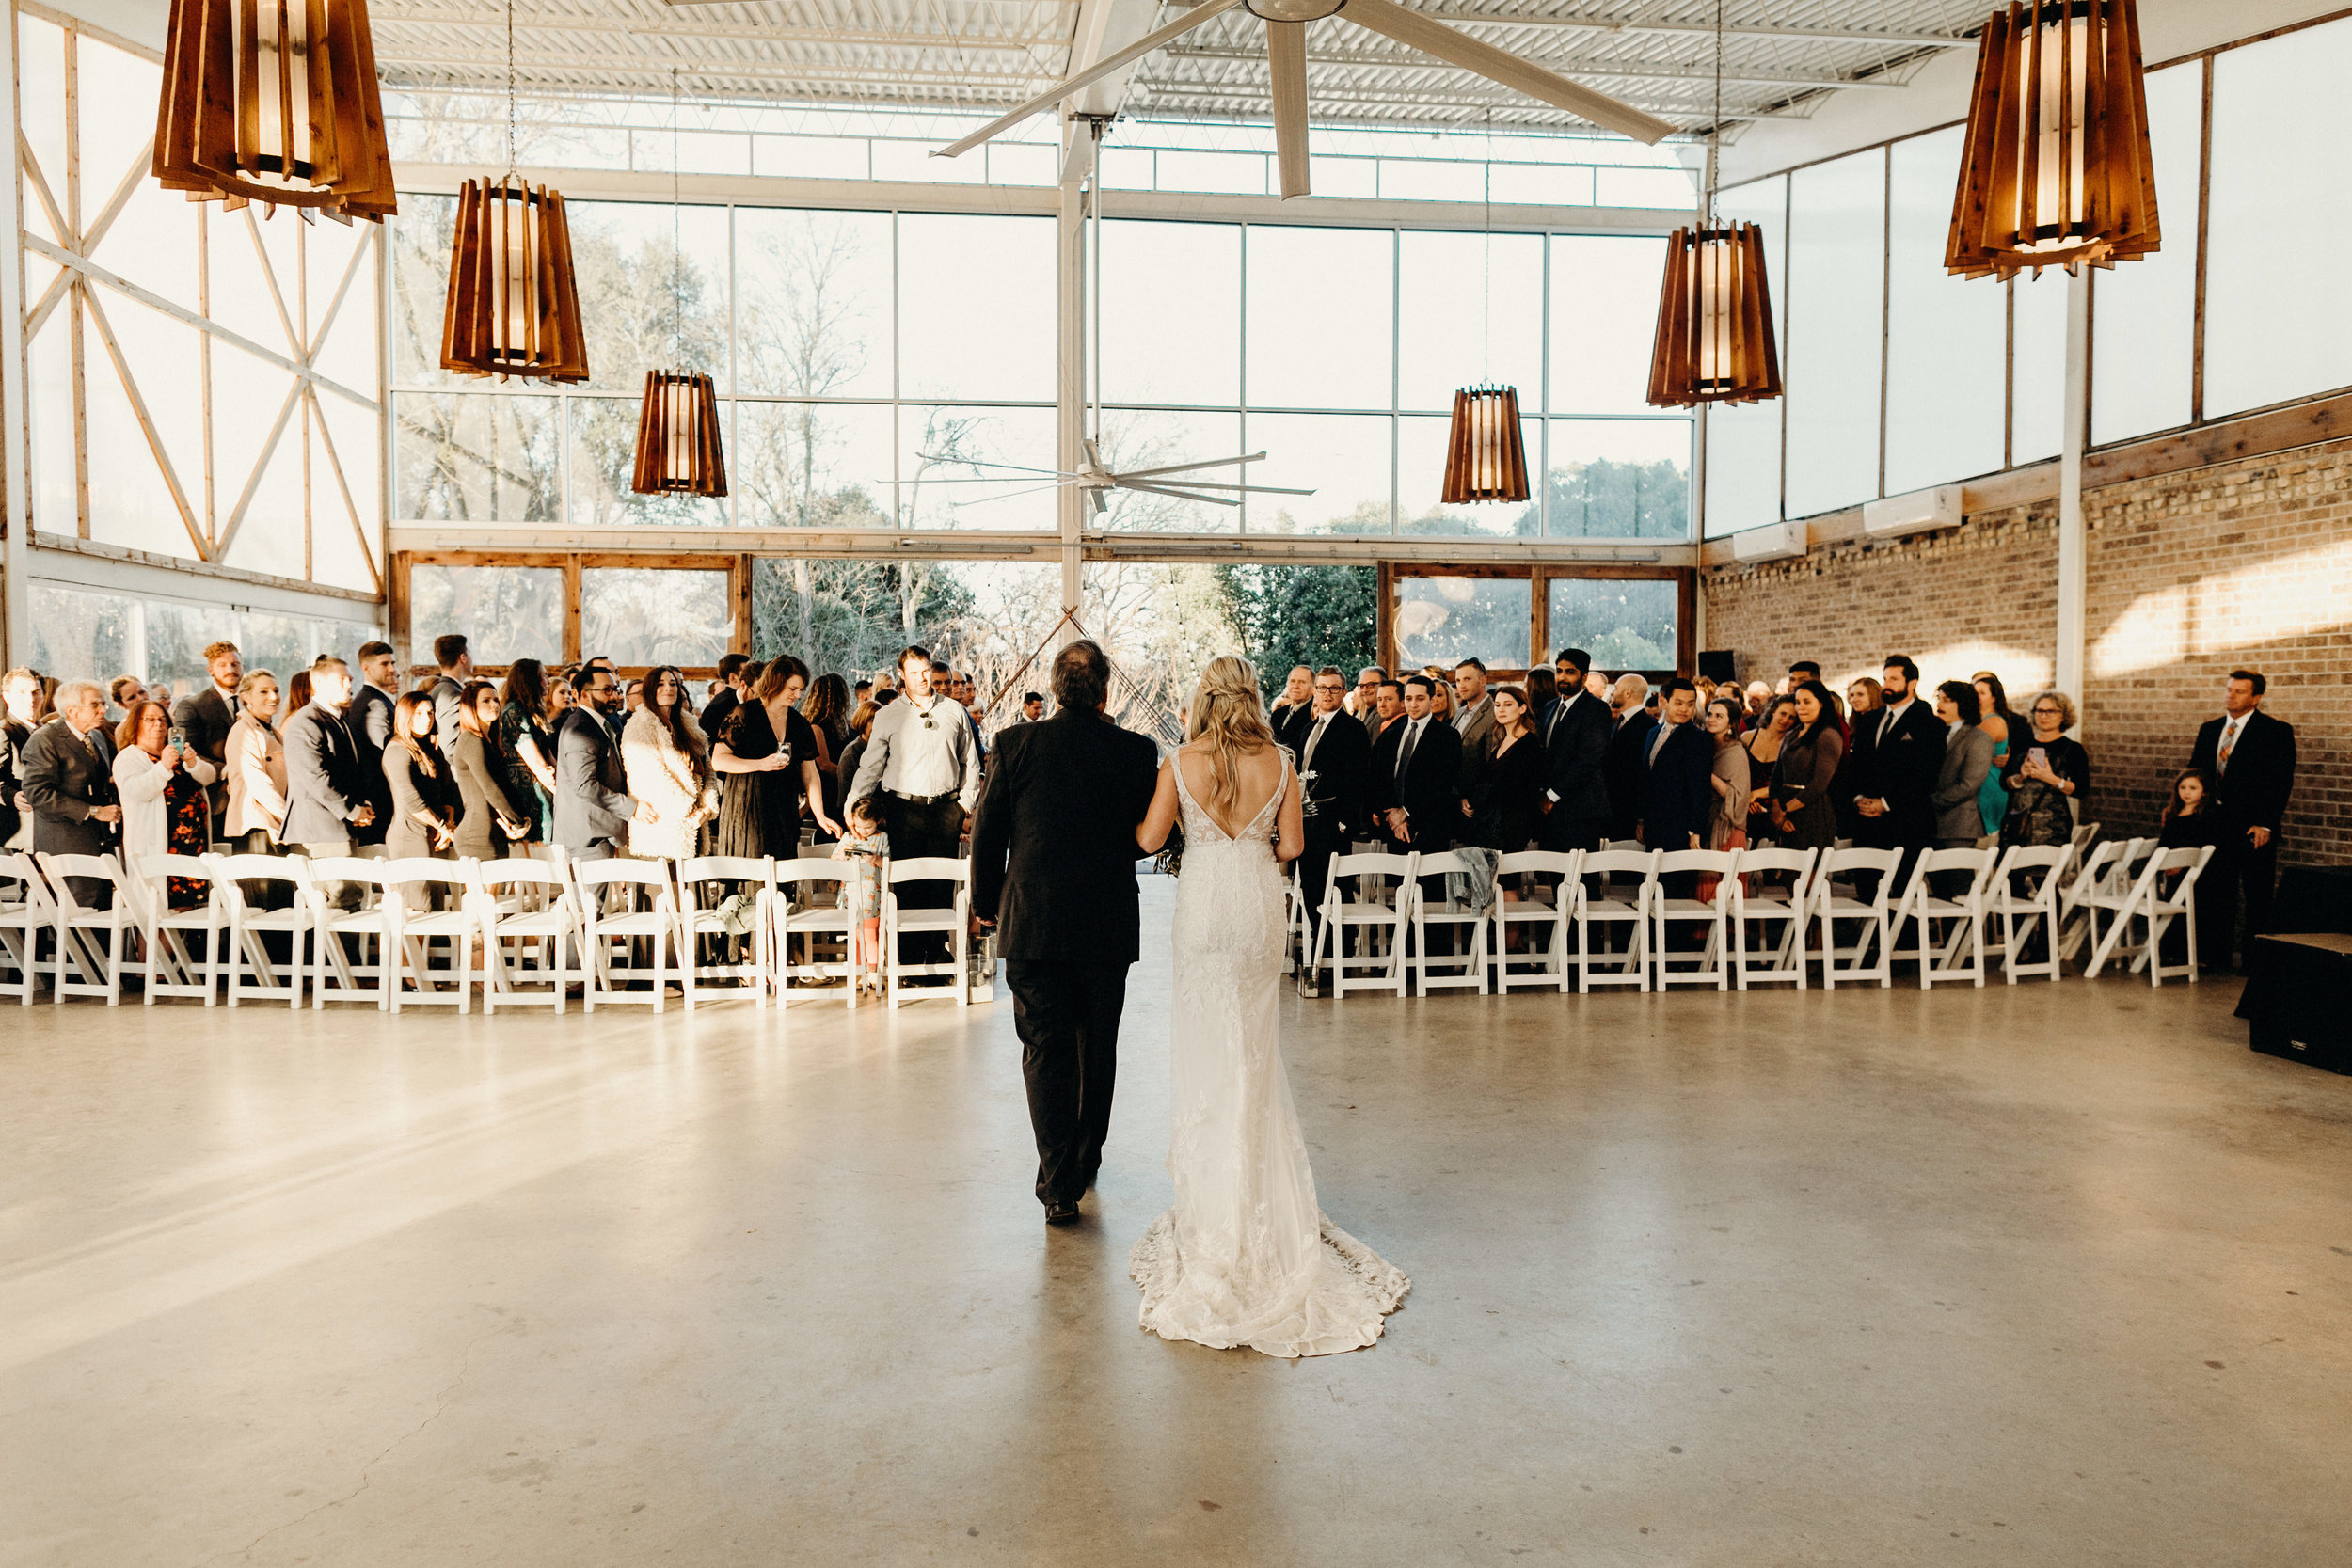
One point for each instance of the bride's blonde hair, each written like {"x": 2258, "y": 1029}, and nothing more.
{"x": 1228, "y": 713}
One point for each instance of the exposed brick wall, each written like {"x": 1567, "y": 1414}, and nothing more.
{"x": 2190, "y": 575}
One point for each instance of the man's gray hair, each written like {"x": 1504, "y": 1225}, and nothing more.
{"x": 75, "y": 693}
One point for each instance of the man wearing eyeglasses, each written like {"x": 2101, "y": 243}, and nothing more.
{"x": 923, "y": 763}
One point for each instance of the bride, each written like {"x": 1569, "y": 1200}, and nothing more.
{"x": 1245, "y": 1256}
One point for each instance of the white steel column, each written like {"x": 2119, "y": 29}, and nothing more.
{"x": 16, "y": 487}
{"x": 1070, "y": 380}
{"x": 2073, "y": 563}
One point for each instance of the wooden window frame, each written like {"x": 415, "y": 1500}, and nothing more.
{"x": 572, "y": 563}
{"x": 1539, "y": 577}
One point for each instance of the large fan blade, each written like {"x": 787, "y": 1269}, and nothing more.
{"x": 1094, "y": 73}
{"x": 1204, "y": 463}
{"x": 1181, "y": 494}
{"x": 1416, "y": 31}
{"x": 982, "y": 463}
{"x": 1127, "y": 482}
{"x": 1286, "y": 52}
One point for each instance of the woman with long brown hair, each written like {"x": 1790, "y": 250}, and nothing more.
{"x": 489, "y": 820}
{"x": 423, "y": 818}
{"x": 668, "y": 761}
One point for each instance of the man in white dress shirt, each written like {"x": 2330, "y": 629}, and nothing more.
{"x": 922, "y": 763}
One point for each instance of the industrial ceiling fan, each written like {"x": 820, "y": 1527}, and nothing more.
{"x": 1099, "y": 482}
{"x": 1286, "y": 54}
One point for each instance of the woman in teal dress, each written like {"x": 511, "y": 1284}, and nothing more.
{"x": 527, "y": 745}
{"x": 2000, "y": 724}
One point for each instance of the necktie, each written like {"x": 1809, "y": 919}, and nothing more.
{"x": 1315, "y": 738}
{"x": 1658, "y": 743}
{"x": 2229, "y": 741}
{"x": 1405, "y": 753}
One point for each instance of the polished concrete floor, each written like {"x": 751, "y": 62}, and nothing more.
{"x": 2037, "y": 1275}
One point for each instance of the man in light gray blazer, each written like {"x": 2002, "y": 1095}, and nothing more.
{"x": 593, "y": 808}
{"x": 1967, "y": 759}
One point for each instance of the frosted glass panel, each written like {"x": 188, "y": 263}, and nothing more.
{"x": 1604, "y": 318}
{"x": 1618, "y": 479}
{"x": 961, "y": 468}
{"x": 2038, "y": 366}
{"x": 652, "y": 289}
{"x": 811, "y": 465}
{"x": 2144, "y": 313}
{"x": 1744, "y": 439}
{"x": 1156, "y": 438}
{"x": 1442, "y": 621}
{"x": 1468, "y": 308}
{"x": 1625, "y": 623}
{"x": 1343, "y": 458}
{"x": 1946, "y": 336}
{"x": 636, "y": 616}
{"x": 976, "y": 305}
{"x": 1836, "y": 261}
{"x": 2278, "y": 319}
{"x": 813, "y": 303}
{"x": 1321, "y": 317}
{"x": 1151, "y": 351}
{"x": 505, "y": 612}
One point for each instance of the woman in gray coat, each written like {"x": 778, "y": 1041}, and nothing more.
{"x": 1968, "y": 762}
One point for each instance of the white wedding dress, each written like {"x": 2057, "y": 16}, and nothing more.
{"x": 1246, "y": 1256}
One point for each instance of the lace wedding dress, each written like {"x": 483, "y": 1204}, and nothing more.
{"x": 1245, "y": 1256}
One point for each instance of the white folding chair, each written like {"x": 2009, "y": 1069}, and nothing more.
{"x": 26, "y": 910}
{"x": 1436, "y": 970}
{"x": 534, "y": 947}
{"x": 2116, "y": 897}
{"x": 1368, "y": 894}
{"x": 1604, "y": 901}
{"x": 338, "y": 972}
{"x": 76, "y": 925}
{"x": 2027, "y": 916}
{"x": 954, "y": 922}
{"x": 1712, "y": 965}
{"x": 626, "y": 902}
{"x": 2171, "y": 897}
{"x": 1961, "y": 909}
{"x": 166, "y": 968}
{"x": 428, "y": 899}
{"x": 727, "y": 911}
{"x": 2083, "y": 836}
{"x": 1874, "y": 939}
{"x": 253, "y": 973}
{"x": 1758, "y": 905}
{"x": 1540, "y": 906}
{"x": 818, "y": 922}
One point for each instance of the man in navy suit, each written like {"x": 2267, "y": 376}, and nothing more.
{"x": 2251, "y": 757}
{"x": 1677, "y": 795}
{"x": 1575, "y": 732}
{"x": 1895, "y": 803}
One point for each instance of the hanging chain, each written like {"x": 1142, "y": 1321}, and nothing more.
{"x": 510, "y": 87}
{"x": 1486, "y": 290}
{"x": 1715, "y": 124}
{"x": 677, "y": 241}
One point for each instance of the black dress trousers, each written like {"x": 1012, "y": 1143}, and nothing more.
{"x": 1067, "y": 1015}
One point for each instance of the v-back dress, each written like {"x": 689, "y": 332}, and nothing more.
{"x": 1245, "y": 1256}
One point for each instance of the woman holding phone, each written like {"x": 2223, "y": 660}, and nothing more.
{"x": 2047, "y": 775}
{"x": 162, "y": 785}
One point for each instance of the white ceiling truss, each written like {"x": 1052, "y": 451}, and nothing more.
{"x": 1781, "y": 57}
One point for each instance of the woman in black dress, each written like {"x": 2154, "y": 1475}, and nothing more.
{"x": 827, "y": 710}
{"x": 1804, "y": 814}
{"x": 767, "y": 759}
{"x": 526, "y": 746}
{"x": 1506, "y": 799}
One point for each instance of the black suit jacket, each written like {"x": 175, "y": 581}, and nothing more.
{"x": 62, "y": 781}
{"x": 721, "y": 708}
{"x": 12, "y": 738}
{"x": 1575, "y": 733}
{"x": 1335, "y": 798}
{"x": 1291, "y": 726}
{"x": 1906, "y": 758}
{"x": 1053, "y": 841}
{"x": 1430, "y": 788}
{"x": 1622, "y": 771}
{"x": 370, "y": 720}
{"x": 1677, "y": 798}
{"x": 205, "y": 717}
{"x": 2253, "y": 793}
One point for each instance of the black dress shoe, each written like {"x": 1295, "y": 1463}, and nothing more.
{"x": 1061, "y": 1211}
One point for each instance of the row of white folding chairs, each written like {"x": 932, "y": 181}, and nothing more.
{"x": 615, "y": 929}
{"x": 1772, "y": 916}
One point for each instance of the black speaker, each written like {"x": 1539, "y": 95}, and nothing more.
{"x": 1719, "y": 665}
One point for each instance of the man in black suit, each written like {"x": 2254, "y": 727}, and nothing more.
{"x": 727, "y": 694}
{"x": 1054, "y": 868}
{"x": 1575, "y": 732}
{"x": 370, "y": 720}
{"x": 1624, "y": 764}
{"x": 67, "y": 779}
{"x": 1895, "y": 808}
{"x": 205, "y": 716}
{"x": 2251, "y": 757}
{"x": 20, "y": 700}
{"x": 593, "y": 808}
{"x": 1293, "y": 710}
{"x": 1678, "y": 760}
{"x": 1334, "y": 771}
{"x": 1416, "y": 771}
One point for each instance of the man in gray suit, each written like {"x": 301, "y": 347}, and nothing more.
{"x": 455, "y": 662}
{"x": 327, "y": 797}
{"x": 592, "y": 808}
{"x": 68, "y": 779}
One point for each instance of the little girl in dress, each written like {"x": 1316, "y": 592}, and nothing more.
{"x": 867, "y": 847}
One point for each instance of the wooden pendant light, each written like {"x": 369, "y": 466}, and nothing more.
{"x": 1486, "y": 458}
{"x": 1714, "y": 320}
{"x": 678, "y": 449}
{"x": 2056, "y": 169}
{"x": 274, "y": 100}
{"x": 513, "y": 302}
